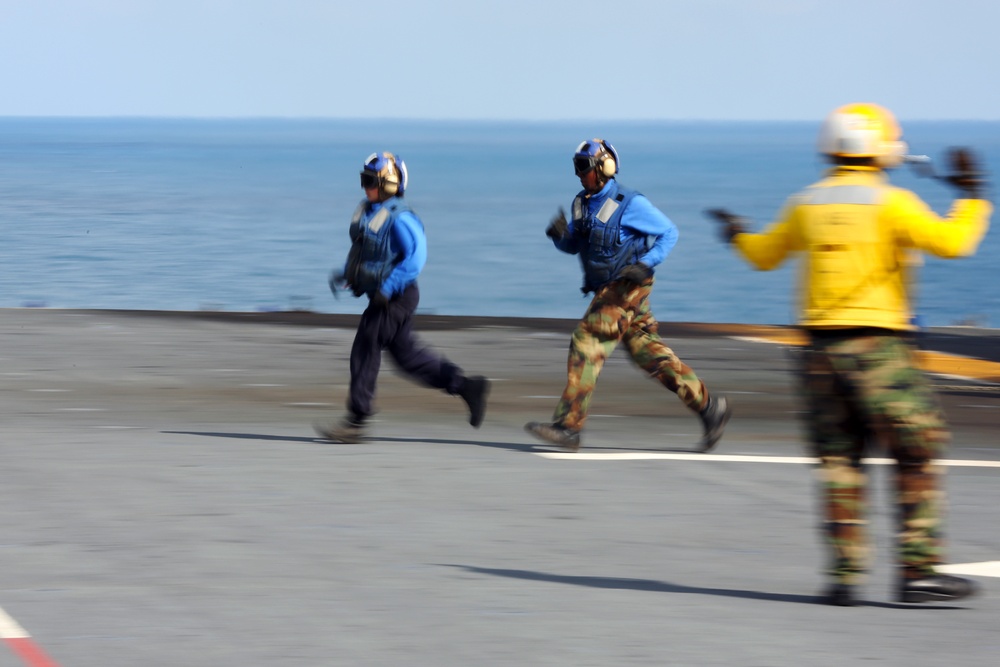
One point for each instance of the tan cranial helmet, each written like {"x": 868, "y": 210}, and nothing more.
{"x": 385, "y": 171}
{"x": 863, "y": 130}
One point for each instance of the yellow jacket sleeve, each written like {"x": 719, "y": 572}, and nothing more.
{"x": 917, "y": 226}
{"x": 769, "y": 248}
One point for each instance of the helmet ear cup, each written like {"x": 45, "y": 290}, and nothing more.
{"x": 390, "y": 185}
{"x": 396, "y": 178}
{"x": 609, "y": 167}
{"x": 394, "y": 181}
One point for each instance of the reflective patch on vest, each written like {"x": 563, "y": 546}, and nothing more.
{"x": 358, "y": 212}
{"x": 861, "y": 195}
{"x": 578, "y": 208}
{"x": 376, "y": 222}
{"x": 607, "y": 210}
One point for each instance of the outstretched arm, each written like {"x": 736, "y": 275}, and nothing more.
{"x": 957, "y": 235}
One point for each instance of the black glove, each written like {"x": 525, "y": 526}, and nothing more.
{"x": 636, "y": 273}
{"x": 349, "y": 276}
{"x": 730, "y": 223}
{"x": 558, "y": 227}
{"x": 337, "y": 283}
{"x": 966, "y": 174}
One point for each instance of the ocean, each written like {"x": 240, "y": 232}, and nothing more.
{"x": 252, "y": 215}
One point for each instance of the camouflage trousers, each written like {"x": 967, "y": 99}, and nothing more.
{"x": 859, "y": 389}
{"x": 620, "y": 312}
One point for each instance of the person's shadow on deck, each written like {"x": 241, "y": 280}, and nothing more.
{"x": 654, "y": 586}
{"x": 372, "y": 439}
{"x": 366, "y": 440}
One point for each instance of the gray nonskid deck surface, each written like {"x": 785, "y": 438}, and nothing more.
{"x": 165, "y": 502}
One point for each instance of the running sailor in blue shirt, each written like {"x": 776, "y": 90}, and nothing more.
{"x": 620, "y": 237}
{"x": 388, "y": 251}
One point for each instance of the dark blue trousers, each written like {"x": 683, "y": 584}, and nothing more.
{"x": 391, "y": 328}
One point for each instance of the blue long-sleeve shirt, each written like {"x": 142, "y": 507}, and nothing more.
{"x": 408, "y": 242}
{"x": 639, "y": 219}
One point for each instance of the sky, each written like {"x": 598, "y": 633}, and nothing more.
{"x": 533, "y": 60}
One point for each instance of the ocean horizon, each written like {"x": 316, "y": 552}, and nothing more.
{"x": 252, "y": 214}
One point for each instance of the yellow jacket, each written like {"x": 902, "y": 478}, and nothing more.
{"x": 857, "y": 235}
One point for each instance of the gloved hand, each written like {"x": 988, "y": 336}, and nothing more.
{"x": 636, "y": 273}
{"x": 966, "y": 174}
{"x": 337, "y": 283}
{"x": 558, "y": 227}
{"x": 731, "y": 224}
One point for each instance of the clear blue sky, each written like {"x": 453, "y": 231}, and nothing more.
{"x": 511, "y": 59}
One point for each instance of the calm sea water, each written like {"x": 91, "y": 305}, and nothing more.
{"x": 246, "y": 215}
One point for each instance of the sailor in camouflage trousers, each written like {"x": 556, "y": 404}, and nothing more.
{"x": 856, "y": 234}
{"x": 852, "y": 380}
{"x": 620, "y": 236}
{"x": 620, "y": 313}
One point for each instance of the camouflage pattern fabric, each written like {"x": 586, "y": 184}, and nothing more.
{"x": 619, "y": 312}
{"x": 861, "y": 389}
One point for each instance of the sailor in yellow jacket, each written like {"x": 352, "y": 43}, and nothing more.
{"x": 857, "y": 235}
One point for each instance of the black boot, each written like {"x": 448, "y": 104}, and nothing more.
{"x": 714, "y": 417}
{"x": 936, "y": 588}
{"x": 840, "y": 595}
{"x": 474, "y": 392}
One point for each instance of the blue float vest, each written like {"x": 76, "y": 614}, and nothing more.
{"x": 370, "y": 234}
{"x": 604, "y": 254}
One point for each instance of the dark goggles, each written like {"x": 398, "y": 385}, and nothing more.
{"x": 369, "y": 180}
{"x": 584, "y": 163}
